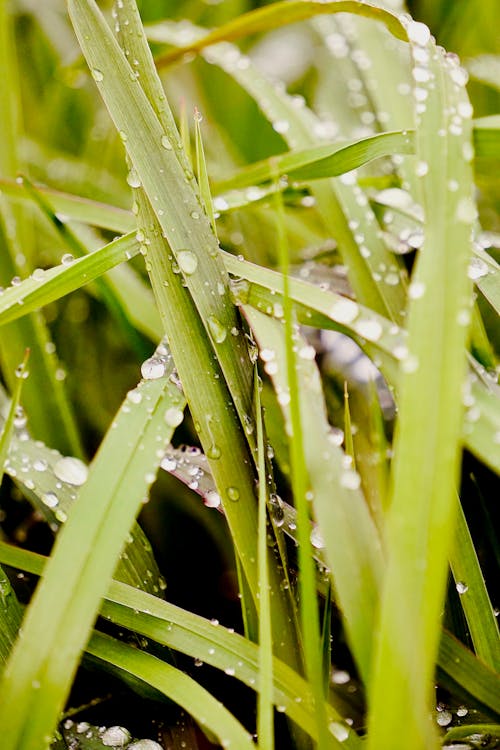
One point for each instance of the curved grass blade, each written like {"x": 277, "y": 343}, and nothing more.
{"x": 59, "y": 618}
{"x": 273, "y": 16}
{"x": 321, "y": 161}
{"x": 10, "y": 618}
{"x": 205, "y": 640}
{"x": 8, "y": 424}
{"x": 176, "y": 685}
{"x": 427, "y": 443}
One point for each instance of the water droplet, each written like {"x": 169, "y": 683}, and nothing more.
{"x": 340, "y": 677}
{"x": 229, "y": 671}
{"x": 174, "y": 416}
{"x": 214, "y": 452}
{"x": 344, "y": 310}
{"x": 421, "y": 168}
{"x": 165, "y": 142}
{"x": 51, "y": 500}
{"x": 217, "y": 330}
{"x": 316, "y": 538}
{"x": 67, "y": 259}
{"x": 466, "y": 211}
{"x": 339, "y": 731}
{"x": 276, "y": 509}
{"x": 462, "y": 711}
{"x": 307, "y": 352}
{"x": 350, "y": 479}
{"x": 144, "y": 745}
{"x": 212, "y": 499}
{"x": 281, "y": 126}
{"x": 153, "y": 368}
{"x": 188, "y": 262}
{"x": 418, "y": 33}
{"x": 116, "y": 737}
{"x": 416, "y": 290}
{"x": 369, "y": 329}
{"x": 477, "y": 268}
{"x": 97, "y": 75}
{"x": 71, "y": 470}
{"x": 40, "y": 464}
{"x": 233, "y": 493}
{"x": 461, "y": 587}
{"x": 133, "y": 179}
{"x": 444, "y": 718}
{"x": 135, "y": 396}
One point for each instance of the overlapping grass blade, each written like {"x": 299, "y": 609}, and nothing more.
{"x": 59, "y": 618}
{"x": 352, "y": 544}
{"x": 10, "y": 618}
{"x": 427, "y": 443}
{"x": 201, "y": 639}
{"x": 8, "y": 425}
{"x": 341, "y": 203}
{"x": 198, "y": 322}
{"x": 176, "y": 685}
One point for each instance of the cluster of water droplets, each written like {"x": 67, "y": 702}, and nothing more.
{"x": 116, "y": 737}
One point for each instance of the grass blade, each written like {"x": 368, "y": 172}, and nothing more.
{"x": 426, "y": 449}
{"x": 58, "y": 621}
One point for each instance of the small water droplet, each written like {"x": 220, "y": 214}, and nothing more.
{"x": 51, "y": 500}
{"x": 416, "y": 289}
{"x": 444, "y": 718}
{"x": 281, "y": 126}
{"x": 40, "y": 464}
{"x": 71, "y": 470}
{"x": 461, "y": 587}
{"x": 165, "y": 142}
{"x": 316, "y": 538}
{"x": 340, "y": 677}
{"x": 67, "y": 259}
{"x": 233, "y": 494}
{"x": 212, "y": 499}
{"x": 97, "y": 75}
{"x": 350, "y": 479}
{"x": 214, "y": 452}
{"x": 369, "y": 329}
{"x": 188, "y": 262}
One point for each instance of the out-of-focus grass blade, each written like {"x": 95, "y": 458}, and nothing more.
{"x": 484, "y": 733}
{"x": 469, "y": 582}
{"x": 202, "y": 173}
{"x": 75, "y": 207}
{"x": 176, "y": 685}
{"x": 427, "y": 443}
{"x": 486, "y": 69}
{"x": 321, "y": 161}
{"x": 487, "y": 137}
{"x": 59, "y": 618}
{"x": 52, "y": 416}
{"x": 275, "y": 15}
{"x": 351, "y": 542}
{"x": 199, "y": 638}
{"x": 46, "y": 286}
{"x": 8, "y": 425}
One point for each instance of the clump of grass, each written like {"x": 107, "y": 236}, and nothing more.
{"x": 347, "y": 467}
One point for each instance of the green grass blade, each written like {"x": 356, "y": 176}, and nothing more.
{"x": 58, "y": 621}
{"x": 176, "y": 685}
{"x": 10, "y": 618}
{"x": 352, "y": 544}
{"x": 201, "y": 639}
{"x": 427, "y": 443}
{"x": 202, "y": 173}
{"x": 7, "y": 428}
{"x": 341, "y": 203}
{"x": 265, "y": 719}
{"x": 469, "y": 581}
{"x": 321, "y": 161}
{"x": 275, "y": 15}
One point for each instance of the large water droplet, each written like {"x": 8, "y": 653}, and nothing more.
{"x": 212, "y": 499}
{"x": 71, "y": 470}
{"x": 174, "y": 416}
{"x": 369, "y": 329}
{"x": 116, "y": 737}
{"x": 188, "y": 262}
{"x": 153, "y": 368}
{"x": 418, "y": 33}
{"x": 344, "y": 311}
{"x": 145, "y": 745}
{"x": 339, "y": 731}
